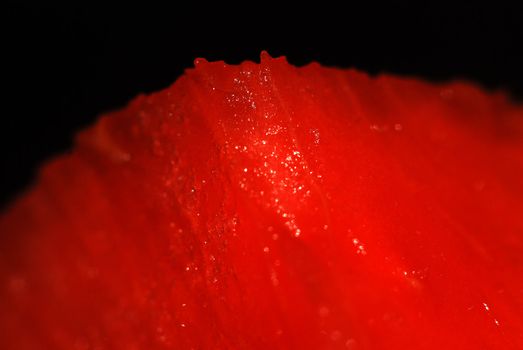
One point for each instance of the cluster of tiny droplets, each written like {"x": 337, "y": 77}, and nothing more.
{"x": 272, "y": 162}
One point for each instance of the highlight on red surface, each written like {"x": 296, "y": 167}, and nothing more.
{"x": 265, "y": 206}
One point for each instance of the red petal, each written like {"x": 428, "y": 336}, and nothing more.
{"x": 264, "y": 206}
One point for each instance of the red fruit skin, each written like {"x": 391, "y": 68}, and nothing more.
{"x": 264, "y": 206}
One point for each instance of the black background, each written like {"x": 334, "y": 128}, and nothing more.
{"x": 64, "y": 65}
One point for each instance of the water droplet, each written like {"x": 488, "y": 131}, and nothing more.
{"x": 335, "y": 335}
{"x": 360, "y": 248}
{"x": 316, "y": 134}
{"x": 274, "y": 279}
{"x": 350, "y": 344}
{"x": 323, "y": 311}
{"x": 200, "y": 61}
{"x": 264, "y": 56}
{"x": 378, "y": 128}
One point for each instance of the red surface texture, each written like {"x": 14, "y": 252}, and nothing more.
{"x": 264, "y": 206}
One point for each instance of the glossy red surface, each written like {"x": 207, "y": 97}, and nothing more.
{"x": 264, "y": 206}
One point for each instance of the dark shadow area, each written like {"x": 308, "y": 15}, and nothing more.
{"x": 63, "y": 66}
